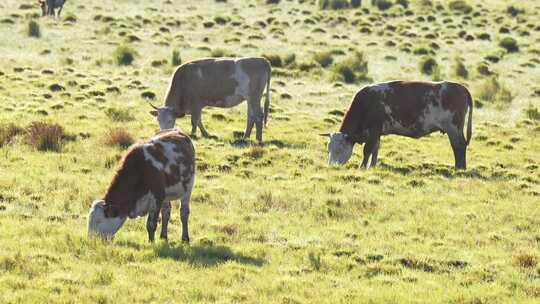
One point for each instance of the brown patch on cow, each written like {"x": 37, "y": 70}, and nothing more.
{"x": 157, "y": 153}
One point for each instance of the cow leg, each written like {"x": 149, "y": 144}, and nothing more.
{"x": 258, "y": 116}
{"x": 151, "y": 223}
{"x": 59, "y": 11}
{"x": 250, "y": 122}
{"x": 371, "y": 144}
{"x": 203, "y": 130}
{"x": 165, "y": 216}
{"x": 195, "y": 119}
{"x": 184, "y": 216}
{"x": 459, "y": 147}
{"x": 375, "y": 153}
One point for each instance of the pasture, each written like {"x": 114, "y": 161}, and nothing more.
{"x": 272, "y": 223}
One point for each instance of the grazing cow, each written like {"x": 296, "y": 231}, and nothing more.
{"x": 151, "y": 175}
{"x": 217, "y": 82}
{"x": 408, "y": 108}
{"x": 48, "y": 7}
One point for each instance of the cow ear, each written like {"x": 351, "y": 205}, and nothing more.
{"x": 154, "y": 113}
{"x": 110, "y": 211}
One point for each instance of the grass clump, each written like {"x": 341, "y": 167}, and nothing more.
{"x": 460, "y": 69}
{"x": 275, "y": 60}
{"x": 382, "y": 4}
{"x": 45, "y": 136}
{"x": 491, "y": 90}
{"x": 333, "y": 4}
{"x": 124, "y": 54}
{"x": 325, "y": 59}
{"x": 525, "y": 260}
{"x": 175, "y": 58}
{"x": 8, "y": 132}
{"x": 531, "y": 113}
{"x": 509, "y": 44}
{"x": 429, "y": 66}
{"x": 119, "y": 114}
{"x": 460, "y": 6}
{"x": 352, "y": 68}
{"x": 119, "y": 137}
{"x": 34, "y": 29}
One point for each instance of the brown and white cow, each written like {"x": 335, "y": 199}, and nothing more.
{"x": 150, "y": 175}
{"x": 217, "y": 82}
{"x": 408, "y": 108}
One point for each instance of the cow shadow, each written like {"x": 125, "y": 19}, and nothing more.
{"x": 429, "y": 169}
{"x": 202, "y": 255}
{"x": 245, "y": 143}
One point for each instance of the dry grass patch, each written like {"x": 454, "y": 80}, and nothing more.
{"x": 119, "y": 137}
{"x": 8, "y": 132}
{"x": 525, "y": 260}
{"x": 45, "y": 136}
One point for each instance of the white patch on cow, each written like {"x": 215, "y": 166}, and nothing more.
{"x": 339, "y": 149}
{"x": 99, "y": 225}
{"x": 143, "y": 205}
{"x": 199, "y": 73}
{"x": 169, "y": 154}
{"x": 382, "y": 89}
{"x": 392, "y": 125}
{"x": 435, "y": 117}
{"x": 242, "y": 89}
{"x": 148, "y": 157}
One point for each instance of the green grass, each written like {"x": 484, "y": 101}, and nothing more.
{"x": 271, "y": 223}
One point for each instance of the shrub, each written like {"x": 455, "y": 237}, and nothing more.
{"x": 461, "y": 6}
{"x": 429, "y": 66}
{"x": 124, "y": 54}
{"x": 382, "y": 4}
{"x": 352, "y": 68}
{"x": 509, "y": 44}
{"x": 44, "y": 136}
{"x": 460, "y": 69}
{"x": 514, "y": 11}
{"x": 175, "y": 59}
{"x": 33, "y": 29}
{"x": 119, "y": 137}
{"x": 119, "y": 114}
{"x": 324, "y": 59}
{"x": 8, "y": 132}
{"x": 289, "y": 59}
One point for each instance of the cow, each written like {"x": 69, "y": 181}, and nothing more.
{"x": 150, "y": 175}
{"x": 48, "y": 7}
{"x": 407, "y": 108}
{"x": 217, "y": 82}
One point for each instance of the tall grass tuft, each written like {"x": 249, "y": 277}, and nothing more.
{"x": 491, "y": 90}
{"x": 382, "y": 4}
{"x": 509, "y": 44}
{"x": 352, "y": 68}
{"x": 124, "y": 54}
{"x": 34, "y": 29}
{"x": 325, "y": 59}
{"x": 119, "y": 137}
{"x": 175, "y": 58}
{"x": 333, "y": 4}
{"x": 45, "y": 136}
{"x": 119, "y": 114}
{"x": 460, "y": 70}
{"x": 8, "y": 132}
{"x": 530, "y": 111}
{"x": 429, "y": 66}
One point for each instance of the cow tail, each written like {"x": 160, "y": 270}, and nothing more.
{"x": 267, "y": 101}
{"x": 469, "y": 122}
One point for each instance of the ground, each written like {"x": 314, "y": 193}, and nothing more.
{"x": 272, "y": 223}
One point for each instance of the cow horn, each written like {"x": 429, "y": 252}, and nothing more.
{"x": 324, "y": 134}
{"x": 153, "y": 106}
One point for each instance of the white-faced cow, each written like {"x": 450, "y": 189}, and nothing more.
{"x": 150, "y": 175}
{"x": 48, "y": 7}
{"x": 408, "y": 108}
{"x": 217, "y": 82}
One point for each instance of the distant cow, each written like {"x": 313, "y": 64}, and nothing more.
{"x": 151, "y": 175}
{"x": 48, "y": 7}
{"x": 409, "y": 108}
{"x": 220, "y": 83}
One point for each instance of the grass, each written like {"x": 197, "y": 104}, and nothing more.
{"x": 44, "y": 136}
{"x": 124, "y": 54}
{"x": 272, "y": 223}
{"x": 34, "y": 29}
{"x": 119, "y": 137}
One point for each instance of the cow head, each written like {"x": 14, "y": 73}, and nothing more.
{"x": 166, "y": 117}
{"x": 102, "y": 222}
{"x": 43, "y": 6}
{"x": 340, "y": 148}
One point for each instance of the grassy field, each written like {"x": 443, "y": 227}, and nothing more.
{"x": 272, "y": 223}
